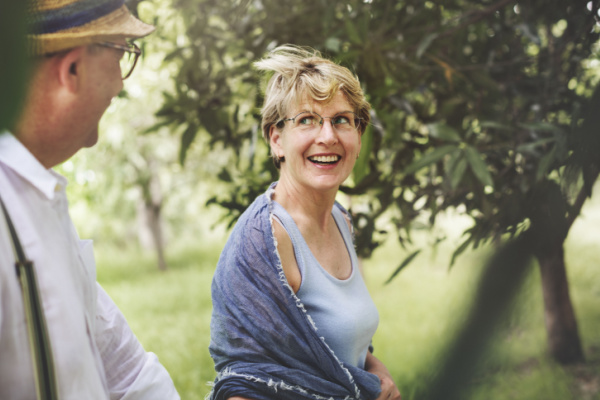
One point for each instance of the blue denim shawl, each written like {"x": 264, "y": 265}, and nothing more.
{"x": 263, "y": 342}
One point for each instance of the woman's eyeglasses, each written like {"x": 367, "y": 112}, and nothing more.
{"x": 311, "y": 122}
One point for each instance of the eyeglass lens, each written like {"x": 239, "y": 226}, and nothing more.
{"x": 310, "y": 121}
{"x": 127, "y": 63}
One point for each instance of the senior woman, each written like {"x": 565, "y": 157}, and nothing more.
{"x": 292, "y": 317}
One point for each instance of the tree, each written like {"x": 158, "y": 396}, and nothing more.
{"x": 131, "y": 188}
{"x": 477, "y": 105}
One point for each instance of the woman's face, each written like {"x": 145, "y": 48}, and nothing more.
{"x": 320, "y": 157}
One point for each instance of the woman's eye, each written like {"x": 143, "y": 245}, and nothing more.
{"x": 306, "y": 121}
{"x": 340, "y": 120}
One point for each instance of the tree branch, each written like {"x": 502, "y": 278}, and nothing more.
{"x": 579, "y": 201}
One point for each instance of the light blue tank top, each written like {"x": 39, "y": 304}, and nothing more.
{"x": 342, "y": 310}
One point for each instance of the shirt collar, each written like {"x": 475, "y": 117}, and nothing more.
{"x": 16, "y": 157}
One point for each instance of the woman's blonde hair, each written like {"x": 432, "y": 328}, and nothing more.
{"x": 302, "y": 74}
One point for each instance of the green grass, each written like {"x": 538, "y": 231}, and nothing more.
{"x": 419, "y": 311}
{"x": 168, "y": 311}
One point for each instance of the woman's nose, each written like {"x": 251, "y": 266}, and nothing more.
{"x": 327, "y": 133}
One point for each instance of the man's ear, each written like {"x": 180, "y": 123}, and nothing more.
{"x": 69, "y": 68}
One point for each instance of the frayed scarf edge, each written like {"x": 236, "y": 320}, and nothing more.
{"x": 270, "y": 383}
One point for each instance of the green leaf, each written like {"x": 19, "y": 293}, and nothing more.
{"x": 361, "y": 168}
{"x": 455, "y": 168}
{"x": 442, "y": 131}
{"x": 478, "y": 166}
{"x": 404, "y": 263}
{"x": 352, "y": 32}
{"x": 224, "y": 176}
{"x": 459, "y": 251}
{"x": 529, "y": 147}
{"x": 425, "y": 43}
{"x": 541, "y": 127}
{"x": 494, "y": 125}
{"x": 453, "y": 159}
{"x": 186, "y": 140}
{"x": 156, "y": 127}
{"x": 545, "y": 163}
{"x": 429, "y": 159}
{"x": 458, "y": 172}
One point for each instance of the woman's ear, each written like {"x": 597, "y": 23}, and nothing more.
{"x": 69, "y": 68}
{"x": 275, "y": 141}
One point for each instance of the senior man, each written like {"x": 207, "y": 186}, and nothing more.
{"x": 61, "y": 336}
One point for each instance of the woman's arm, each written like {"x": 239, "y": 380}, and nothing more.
{"x": 388, "y": 387}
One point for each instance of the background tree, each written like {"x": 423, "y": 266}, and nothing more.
{"x": 478, "y": 105}
{"x": 130, "y": 188}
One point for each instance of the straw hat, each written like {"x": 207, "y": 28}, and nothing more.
{"x": 56, "y": 25}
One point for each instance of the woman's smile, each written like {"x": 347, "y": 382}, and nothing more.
{"x": 325, "y": 159}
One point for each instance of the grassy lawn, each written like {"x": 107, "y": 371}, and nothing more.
{"x": 170, "y": 313}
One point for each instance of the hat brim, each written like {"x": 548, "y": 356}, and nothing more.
{"x": 120, "y": 24}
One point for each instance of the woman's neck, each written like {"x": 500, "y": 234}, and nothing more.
{"x": 306, "y": 206}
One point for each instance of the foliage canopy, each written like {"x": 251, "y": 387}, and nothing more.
{"x": 477, "y": 104}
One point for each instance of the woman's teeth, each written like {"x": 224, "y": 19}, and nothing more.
{"x": 324, "y": 159}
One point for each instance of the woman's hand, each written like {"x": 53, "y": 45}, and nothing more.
{"x": 389, "y": 391}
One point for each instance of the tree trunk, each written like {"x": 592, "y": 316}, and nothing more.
{"x": 561, "y": 325}
{"x": 154, "y": 223}
{"x": 149, "y": 210}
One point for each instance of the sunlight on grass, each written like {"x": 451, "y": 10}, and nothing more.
{"x": 419, "y": 311}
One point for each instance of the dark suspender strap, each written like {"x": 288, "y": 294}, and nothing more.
{"x": 41, "y": 351}
{"x": 13, "y": 234}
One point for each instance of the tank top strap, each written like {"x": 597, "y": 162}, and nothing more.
{"x": 301, "y": 249}
{"x": 344, "y": 228}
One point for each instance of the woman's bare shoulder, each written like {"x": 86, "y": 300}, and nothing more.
{"x": 285, "y": 249}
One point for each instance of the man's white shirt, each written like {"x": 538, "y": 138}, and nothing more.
{"x": 96, "y": 355}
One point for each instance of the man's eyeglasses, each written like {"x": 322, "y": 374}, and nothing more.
{"x": 129, "y": 59}
{"x": 311, "y": 122}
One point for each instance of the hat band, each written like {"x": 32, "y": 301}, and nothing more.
{"x": 72, "y": 15}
